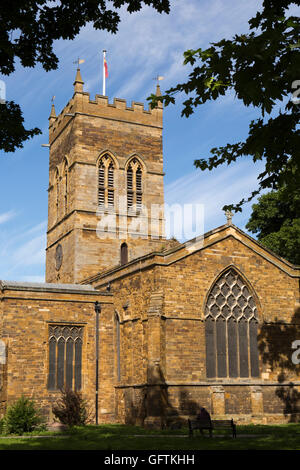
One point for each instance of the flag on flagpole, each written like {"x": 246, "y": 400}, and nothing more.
{"x": 105, "y": 72}
{"x": 105, "y": 68}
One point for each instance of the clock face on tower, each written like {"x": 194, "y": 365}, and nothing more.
{"x": 58, "y": 257}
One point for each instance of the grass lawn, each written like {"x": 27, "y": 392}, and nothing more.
{"x": 119, "y": 437}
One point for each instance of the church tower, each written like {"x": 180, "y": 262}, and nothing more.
{"x": 105, "y": 202}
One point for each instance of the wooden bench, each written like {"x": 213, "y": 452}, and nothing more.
{"x": 211, "y": 425}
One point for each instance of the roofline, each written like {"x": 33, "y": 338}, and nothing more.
{"x": 183, "y": 245}
{"x": 283, "y": 260}
{"x": 50, "y": 287}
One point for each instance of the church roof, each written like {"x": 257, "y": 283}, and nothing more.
{"x": 194, "y": 245}
{"x": 47, "y": 287}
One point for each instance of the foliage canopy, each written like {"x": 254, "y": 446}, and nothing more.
{"x": 275, "y": 219}
{"x": 262, "y": 69}
{"x": 27, "y": 32}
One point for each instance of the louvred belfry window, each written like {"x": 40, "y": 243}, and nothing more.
{"x": 129, "y": 188}
{"x": 66, "y": 188}
{"x": 231, "y": 328}
{"x": 57, "y": 193}
{"x": 101, "y": 185}
{"x": 134, "y": 185}
{"x": 106, "y": 189}
{"x": 138, "y": 183}
{"x": 111, "y": 175}
{"x": 65, "y": 357}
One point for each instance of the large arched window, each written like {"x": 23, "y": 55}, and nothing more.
{"x": 134, "y": 185}
{"x": 106, "y": 189}
{"x": 231, "y": 329}
{"x": 65, "y": 357}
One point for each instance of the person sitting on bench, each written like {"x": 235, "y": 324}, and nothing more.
{"x": 204, "y": 417}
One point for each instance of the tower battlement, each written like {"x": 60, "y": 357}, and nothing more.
{"x": 82, "y": 104}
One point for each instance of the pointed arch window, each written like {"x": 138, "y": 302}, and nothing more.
{"x": 101, "y": 184}
{"x": 65, "y": 186}
{"x": 106, "y": 182}
{"x": 134, "y": 186}
{"x": 124, "y": 253}
{"x": 138, "y": 187}
{"x": 57, "y": 193}
{"x": 65, "y": 357}
{"x": 110, "y": 185}
{"x": 231, "y": 328}
{"x": 129, "y": 188}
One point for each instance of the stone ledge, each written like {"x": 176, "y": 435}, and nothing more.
{"x": 50, "y": 287}
{"x": 209, "y": 384}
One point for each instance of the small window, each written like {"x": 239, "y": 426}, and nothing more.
{"x": 124, "y": 253}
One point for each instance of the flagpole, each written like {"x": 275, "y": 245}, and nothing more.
{"x": 104, "y": 54}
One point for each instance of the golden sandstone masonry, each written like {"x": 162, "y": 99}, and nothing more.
{"x": 210, "y": 322}
{"x": 86, "y": 139}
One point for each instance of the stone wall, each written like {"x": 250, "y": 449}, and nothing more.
{"x": 167, "y": 295}
{"x": 152, "y": 342}
{"x": 27, "y": 313}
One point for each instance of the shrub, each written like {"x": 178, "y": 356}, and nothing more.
{"x": 71, "y": 408}
{"x": 22, "y": 416}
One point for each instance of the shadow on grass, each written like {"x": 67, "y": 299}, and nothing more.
{"x": 121, "y": 437}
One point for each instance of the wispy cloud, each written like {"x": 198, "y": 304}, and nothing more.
{"x": 225, "y": 185}
{"x": 147, "y": 44}
{"x": 22, "y": 252}
{"x": 6, "y": 216}
{"x": 30, "y": 253}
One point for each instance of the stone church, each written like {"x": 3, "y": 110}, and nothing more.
{"x": 146, "y": 328}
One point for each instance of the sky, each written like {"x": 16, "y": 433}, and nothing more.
{"x": 147, "y": 44}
